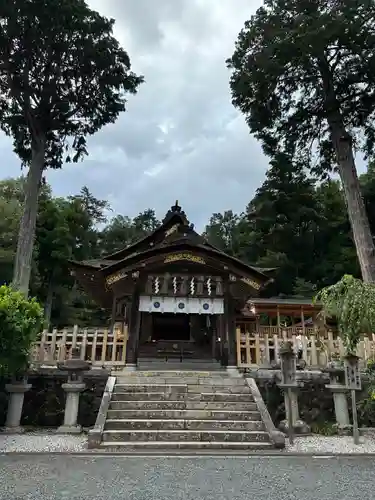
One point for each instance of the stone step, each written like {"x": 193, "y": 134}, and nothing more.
{"x": 173, "y": 367}
{"x": 177, "y": 380}
{"x": 182, "y": 396}
{"x": 128, "y": 388}
{"x": 184, "y": 435}
{"x": 163, "y": 446}
{"x": 183, "y": 414}
{"x": 168, "y": 374}
{"x": 172, "y": 424}
{"x": 160, "y": 385}
{"x": 182, "y": 405}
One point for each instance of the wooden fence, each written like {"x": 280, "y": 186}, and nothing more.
{"x": 260, "y": 348}
{"x": 100, "y": 347}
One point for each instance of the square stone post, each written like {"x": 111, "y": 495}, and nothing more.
{"x": 289, "y": 383}
{"x": 16, "y": 396}
{"x": 299, "y": 426}
{"x": 338, "y": 389}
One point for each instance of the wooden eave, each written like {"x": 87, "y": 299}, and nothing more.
{"x": 144, "y": 257}
{"x": 292, "y": 307}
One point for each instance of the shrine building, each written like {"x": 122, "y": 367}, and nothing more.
{"x": 174, "y": 295}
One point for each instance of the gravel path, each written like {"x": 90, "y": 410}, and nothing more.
{"x": 63, "y": 477}
{"x": 52, "y": 442}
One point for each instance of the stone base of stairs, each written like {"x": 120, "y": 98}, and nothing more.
{"x": 183, "y": 445}
{"x": 181, "y": 409}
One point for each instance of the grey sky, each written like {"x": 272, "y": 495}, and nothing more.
{"x": 181, "y": 137}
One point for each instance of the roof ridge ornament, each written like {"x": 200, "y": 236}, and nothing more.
{"x": 175, "y": 209}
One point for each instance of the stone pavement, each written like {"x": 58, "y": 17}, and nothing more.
{"x": 57, "y": 477}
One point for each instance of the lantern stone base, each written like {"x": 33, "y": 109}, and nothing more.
{"x": 13, "y": 430}
{"x": 346, "y": 430}
{"x": 69, "y": 429}
{"x": 299, "y": 427}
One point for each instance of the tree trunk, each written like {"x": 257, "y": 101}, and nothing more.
{"x": 48, "y": 304}
{"x": 26, "y": 234}
{"x": 343, "y": 146}
{"x": 355, "y": 205}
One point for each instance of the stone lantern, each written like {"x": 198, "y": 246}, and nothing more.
{"x": 73, "y": 387}
{"x": 338, "y": 388}
{"x": 290, "y": 385}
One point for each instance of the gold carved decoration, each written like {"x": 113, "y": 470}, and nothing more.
{"x": 116, "y": 277}
{"x": 252, "y": 283}
{"x": 171, "y": 230}
{"x": 184, "y": 256}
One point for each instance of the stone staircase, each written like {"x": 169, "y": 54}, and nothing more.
{"x": 182, "y": 410}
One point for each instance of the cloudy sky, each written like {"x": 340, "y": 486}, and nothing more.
{"x": 181, "y": 138}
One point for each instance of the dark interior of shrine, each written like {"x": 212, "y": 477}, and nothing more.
{"x": 170, "y": 326}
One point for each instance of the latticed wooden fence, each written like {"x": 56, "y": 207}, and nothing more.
{"x": 99, "y": 346}
{"x": 102, "y": 347}
{"x": 256, "y": 348}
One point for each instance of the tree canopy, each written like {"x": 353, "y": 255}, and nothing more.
{"x": 303, "y": 75}
{"x": 63, "y": 76}
{"x": 294, "y": 226}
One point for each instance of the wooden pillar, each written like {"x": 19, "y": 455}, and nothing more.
{"x": 134, "y": 324}
{"x": 113, "y": 313}
{"x": 278, "y": 322}
{"x": 230, "y": 328}
{"x": 303, "y": 322}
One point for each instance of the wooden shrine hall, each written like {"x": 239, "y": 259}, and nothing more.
{"x": 173, "y": 294}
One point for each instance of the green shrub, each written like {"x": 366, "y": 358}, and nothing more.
{"x": 20, "y": 322}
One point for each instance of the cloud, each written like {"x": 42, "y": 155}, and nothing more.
{"x": 180, "y": 138}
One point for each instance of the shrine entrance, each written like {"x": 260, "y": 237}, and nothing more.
{"x": 170, "y": 327}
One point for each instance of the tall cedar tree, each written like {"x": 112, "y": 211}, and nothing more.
{"x": 304, "y": 77}
{"x": 63, "y": 76}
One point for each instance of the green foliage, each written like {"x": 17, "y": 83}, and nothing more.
{"x": 20, "y": 323}
{"x": 351, "y": 302}
{"x": 123, "y": 231}
{"x": 62, "y": 75}
{"x": 324, "y": 428}
{"x": 366, "y": 403}
{"x": 303, "y": 76}
{"x": 301, "y": 66}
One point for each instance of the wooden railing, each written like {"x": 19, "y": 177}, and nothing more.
{"x": 100, "y": 347}
{"x": 262, "y": 347}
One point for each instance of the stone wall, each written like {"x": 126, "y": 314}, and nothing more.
{"x": 44, "y": 404}
{"x": 314, "y": 400}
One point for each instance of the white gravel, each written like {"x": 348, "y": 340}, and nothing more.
{"x": 49, "y": 441}
{"x": 332, "y": 444}
{"x": 42, "y": 442}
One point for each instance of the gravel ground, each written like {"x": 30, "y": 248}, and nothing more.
{"x": 334, "y": 444}
{"x": 90, "y": 477}
{"x": 51, "y": 442}
{"x": 42, "y": 441}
